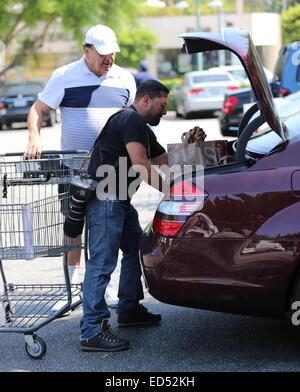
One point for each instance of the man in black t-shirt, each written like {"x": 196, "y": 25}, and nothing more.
{"x": 126, "y": 142}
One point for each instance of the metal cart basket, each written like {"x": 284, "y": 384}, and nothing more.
{"x": 32, "y": 214}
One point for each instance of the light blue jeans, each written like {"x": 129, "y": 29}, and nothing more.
{"x": 112, "y": 225}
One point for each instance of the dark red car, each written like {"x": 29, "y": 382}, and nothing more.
{"x": 236, "y": 246}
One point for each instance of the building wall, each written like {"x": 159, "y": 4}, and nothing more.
{"x": 168, "y": 28}
{"x": 266, "y": 32}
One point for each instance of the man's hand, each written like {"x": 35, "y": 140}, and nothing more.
{"x": 195, "y": 134}
{"x": 33, "y": 149}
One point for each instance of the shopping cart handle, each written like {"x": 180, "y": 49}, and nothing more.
{"x": 65, "y": 152}
{"x": 47, "y": 152}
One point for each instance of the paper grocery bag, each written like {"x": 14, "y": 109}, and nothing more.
{"x": 207, "y": 153}
{"x": 214, "y": 152}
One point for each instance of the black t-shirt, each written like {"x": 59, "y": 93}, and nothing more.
{"x": 121, "y": 128}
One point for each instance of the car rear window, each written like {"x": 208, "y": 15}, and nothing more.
{"x": 239, "y": 73}
{"x": 210, "y": 78}
{"x": 264, "y": 140}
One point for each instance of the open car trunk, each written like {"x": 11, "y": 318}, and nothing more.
{"x": 239, "y": 42}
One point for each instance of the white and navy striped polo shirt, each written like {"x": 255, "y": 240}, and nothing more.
{"x": 86, "y": 101}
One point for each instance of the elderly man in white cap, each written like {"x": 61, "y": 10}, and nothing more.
{"x": 88, "y": 92}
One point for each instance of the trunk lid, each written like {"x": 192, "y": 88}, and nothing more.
{"x": 239, "y": 42}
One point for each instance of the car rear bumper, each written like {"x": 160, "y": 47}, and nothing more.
{"x": 229, "y": 126}
{"x": 195, "y": 105}
{"x": 228, "y": 130}
{"x": 185, "y": 272}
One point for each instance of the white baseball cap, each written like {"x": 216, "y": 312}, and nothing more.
{"x": 103, "y": 39}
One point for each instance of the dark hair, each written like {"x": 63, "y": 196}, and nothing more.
{"x": 151, "y": 87}
{"x": 88, "y": 45}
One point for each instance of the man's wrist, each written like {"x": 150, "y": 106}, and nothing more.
{"x": 34, "y": 134}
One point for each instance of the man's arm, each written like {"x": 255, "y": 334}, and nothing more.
{"x": 160, "y": 159}
{"x": 35, "y": 121}
{"x": 138, "y": 157}
{"x": 49, "y": 98}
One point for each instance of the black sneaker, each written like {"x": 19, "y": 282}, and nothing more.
{"x": 105, "y": 341}
{"x": 139, "y": 316}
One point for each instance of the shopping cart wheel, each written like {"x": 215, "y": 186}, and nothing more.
{"x": 35, "y": 346}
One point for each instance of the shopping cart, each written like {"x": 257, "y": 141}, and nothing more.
{"x": 32, "y": 213}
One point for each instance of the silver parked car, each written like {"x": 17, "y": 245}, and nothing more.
{"x": 203, "y": 91}
{"x": 238, "y": 72}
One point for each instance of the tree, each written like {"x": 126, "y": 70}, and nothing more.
{"x": 291, "y": 24}
{"x": 283, "y": 5}
{"x": 26, "y": 24}
{"x": 135, "y": 44}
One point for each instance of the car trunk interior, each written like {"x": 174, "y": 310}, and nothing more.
{"x": 231, "y": 165}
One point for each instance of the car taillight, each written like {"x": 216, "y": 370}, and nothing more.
{"x": 185, "y": 199}
{"x": 283, "y": 92}
{"x": 229, "y": 104}
{"x": 195, "y": 91}
{"x": 166, "y": 228}
{"x": 185, "y": 189}
{"x": 231, "y": 88}
{"x": 2, "y": 106}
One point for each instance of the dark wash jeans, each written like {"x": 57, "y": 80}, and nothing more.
{"x": 112, "y": 225}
